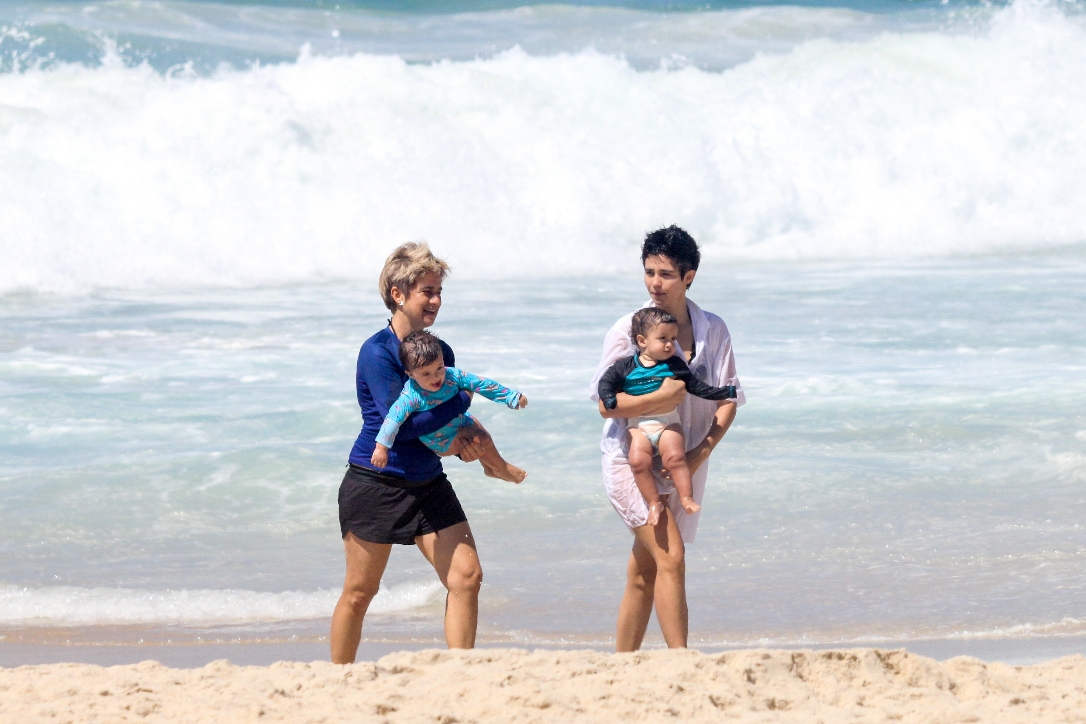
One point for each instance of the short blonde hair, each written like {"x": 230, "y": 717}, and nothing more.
{"x": 403, "y": 268}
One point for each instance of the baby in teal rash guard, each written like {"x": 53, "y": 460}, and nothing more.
{"x": 432, "y": 383}
{"x": 655, "y": 332}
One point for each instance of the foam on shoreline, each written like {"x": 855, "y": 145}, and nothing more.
{"x": 75, "y": 606}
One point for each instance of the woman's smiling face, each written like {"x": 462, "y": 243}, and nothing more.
{"x": 422, "y": 303}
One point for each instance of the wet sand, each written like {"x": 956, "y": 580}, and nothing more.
{"x": 119, "y": 646}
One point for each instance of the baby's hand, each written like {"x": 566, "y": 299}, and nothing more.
{"x": 379, "y": 459}
{"x": 522, "y": 402}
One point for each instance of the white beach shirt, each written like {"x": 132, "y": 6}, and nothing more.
{"x": 713, "y": 364}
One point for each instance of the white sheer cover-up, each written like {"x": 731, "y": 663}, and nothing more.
{"x": 714, "y": 364}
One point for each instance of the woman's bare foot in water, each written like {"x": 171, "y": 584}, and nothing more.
{"x": 689, "y": 505}
{"x": 655, "y": 509}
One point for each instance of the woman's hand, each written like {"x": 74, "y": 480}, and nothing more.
{"x": 379, "y": 459}
{"x": 697, "y": 456}
{"x": 671, "y": 393}
{"x": 469, "y": 444}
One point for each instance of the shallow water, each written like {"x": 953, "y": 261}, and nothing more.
{"x": 909, "y": 464}
{"x": 195, "y": 198}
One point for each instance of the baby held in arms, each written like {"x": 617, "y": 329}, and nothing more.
{"x": 432, "y": 383}
{"x": 654, "y": 331}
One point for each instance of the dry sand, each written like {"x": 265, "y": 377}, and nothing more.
{"x": 854, "y": 685}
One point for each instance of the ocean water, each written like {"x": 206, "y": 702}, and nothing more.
{"x": 195, "y": 199}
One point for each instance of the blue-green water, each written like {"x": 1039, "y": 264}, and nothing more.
{"x": 910, "y": 463}
{"x": 195, "y": 198}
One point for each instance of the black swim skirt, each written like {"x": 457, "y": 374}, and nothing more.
{"x": 385, "y": 509}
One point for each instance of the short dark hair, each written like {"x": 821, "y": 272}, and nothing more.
{"x": 674, "y": 243}
{"x": 645, "y": 320}
{"x": 419, "y": 349}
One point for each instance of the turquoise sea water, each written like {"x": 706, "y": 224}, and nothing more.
{"x": 909, "y": 465}
{"x": 195, "y": 197}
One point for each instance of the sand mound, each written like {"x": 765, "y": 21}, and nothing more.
{"x": 856, "y": 685}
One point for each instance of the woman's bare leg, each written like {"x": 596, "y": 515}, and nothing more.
{"x": 640, "y": 459}
{"x": 673, "y": 456}
{"x": 365, "y": 565}
{"x": 656, "y": 573}
{"x": 451, "y": 551}
{"x": 636, "y": 608}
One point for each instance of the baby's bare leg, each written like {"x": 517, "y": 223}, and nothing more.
{"x": 673, "y": 455}
{"x": 640, "y": 458}
{"x": 494, "y": 465}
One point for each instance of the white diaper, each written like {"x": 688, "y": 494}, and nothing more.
{"x": 652, "y": 426}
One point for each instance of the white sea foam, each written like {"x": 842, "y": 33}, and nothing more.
{"x": 73, "y": 606}
{"x": 903, "y": 144}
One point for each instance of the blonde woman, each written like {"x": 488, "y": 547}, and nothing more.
{"x": 409, "y": 501}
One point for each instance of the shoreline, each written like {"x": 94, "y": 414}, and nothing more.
{"x": 500, "y": 685}
{"x": 195, "y": 654}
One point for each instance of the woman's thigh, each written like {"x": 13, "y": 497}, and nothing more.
{"x": 366, "y": 563}
{"x": 452, "y": 553}
{"x": 660, "y": 546}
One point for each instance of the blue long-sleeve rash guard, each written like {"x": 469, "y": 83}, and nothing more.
{"x": 379, "y": 379}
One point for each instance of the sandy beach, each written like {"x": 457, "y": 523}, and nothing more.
{"x": 511, "y": 685}
{"x": 197, "y": 199}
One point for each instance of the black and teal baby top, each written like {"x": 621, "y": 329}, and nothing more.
{"x": 629, "y": 375}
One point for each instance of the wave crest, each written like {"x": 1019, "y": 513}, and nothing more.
{"x": 904, "y": 144}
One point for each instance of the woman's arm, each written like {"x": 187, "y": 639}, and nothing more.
{"x": 720, "y": 340}
{"x": 665, "y": 399}
{"x": 722, "y": 420}
{"x": 381, "y": 375}
{"x": 423, "y": 423}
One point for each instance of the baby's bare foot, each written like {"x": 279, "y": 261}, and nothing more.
{"x": 513, "y": 474}
{"x": 510, "y": 472}
{"x": 690, "y": 506}
{"x": 655, "y": 509}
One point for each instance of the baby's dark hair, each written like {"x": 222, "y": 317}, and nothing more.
{"x": 419, "y": 349}
{"x": 645, "y": 320}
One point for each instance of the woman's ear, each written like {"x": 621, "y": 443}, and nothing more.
{"x": 398, "y": 297}
{"x": 688, "y": 278}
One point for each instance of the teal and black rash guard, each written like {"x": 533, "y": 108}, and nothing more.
{"x": 629, "y": 375}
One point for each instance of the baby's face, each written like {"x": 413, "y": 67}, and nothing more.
{"x": 429, "y": 377}
{"x": 660, "y": 343}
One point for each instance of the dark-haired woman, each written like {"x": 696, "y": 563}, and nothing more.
{"x": 656, "y": 571}
{"x": 409, "y": 501}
